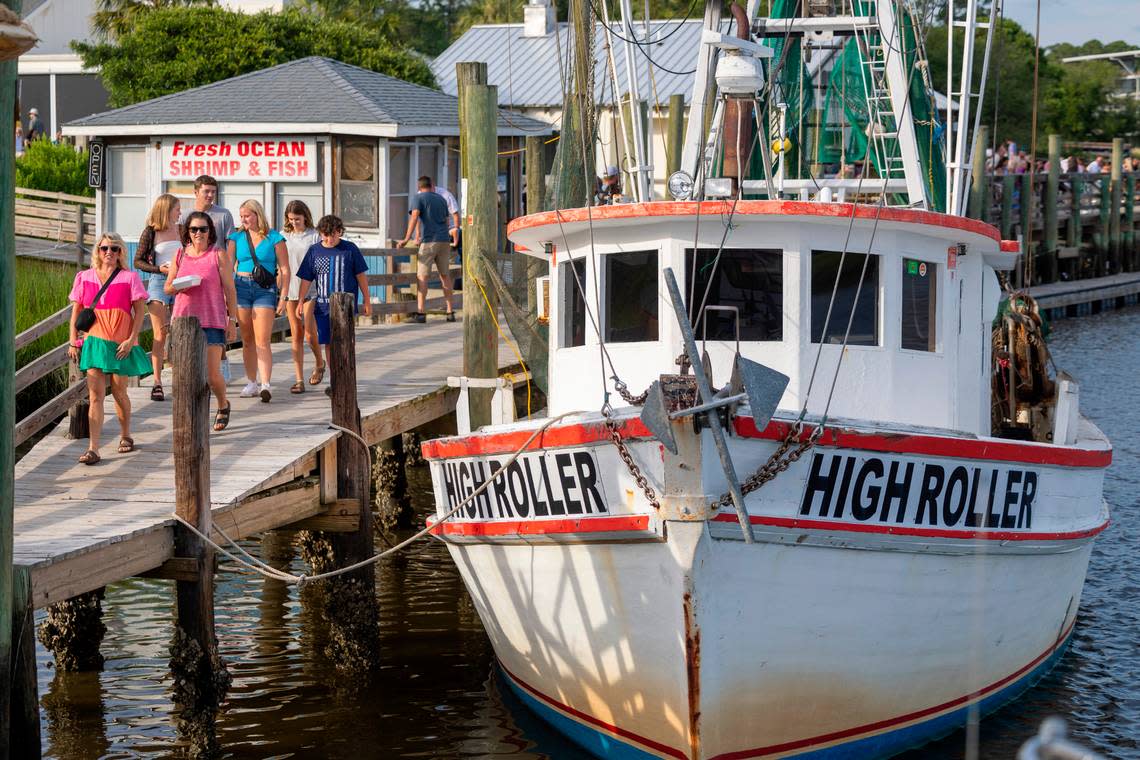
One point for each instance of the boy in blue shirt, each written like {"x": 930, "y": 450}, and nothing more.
{"x": 336, "y": 266}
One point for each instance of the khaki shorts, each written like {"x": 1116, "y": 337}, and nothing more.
{"x": 440, "y": 253}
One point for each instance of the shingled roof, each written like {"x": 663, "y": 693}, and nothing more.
{"x": 309, "y": 95}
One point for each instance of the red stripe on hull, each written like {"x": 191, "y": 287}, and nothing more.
{"x": 849, "y": 733}
{"x": 994, "y": 535}
{"x": 586, "y": 718}
{"x": 753, "y": 208}
{"x": 745, "y": 427}
{"x": 545, "y": 527}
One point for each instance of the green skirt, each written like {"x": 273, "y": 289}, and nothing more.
{"x": 99, "y": 353}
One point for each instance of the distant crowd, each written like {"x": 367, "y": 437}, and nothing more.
{"x": 34, "y": 131}
{"x": 235, "y": 280}
{"x": 1009, "y": 158}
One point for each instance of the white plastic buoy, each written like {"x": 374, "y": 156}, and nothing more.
{"x": 16, "y": 37}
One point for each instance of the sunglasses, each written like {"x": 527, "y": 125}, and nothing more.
{"x": 197, "y": 230}
{"x": 111, "y": 248}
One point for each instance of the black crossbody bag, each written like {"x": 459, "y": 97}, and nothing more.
{"x": 260, "y": 274}
{"x": 86, "y": 318}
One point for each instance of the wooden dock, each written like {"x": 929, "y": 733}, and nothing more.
{"x": 78, "y": 528}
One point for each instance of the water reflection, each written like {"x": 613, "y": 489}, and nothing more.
{"x": 437, "y": 695}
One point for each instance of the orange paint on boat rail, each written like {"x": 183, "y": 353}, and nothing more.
{"x": 753, "y": 208}
{"x": 577, "y": 434}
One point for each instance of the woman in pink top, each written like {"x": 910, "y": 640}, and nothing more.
{"x": 213, "y": 301}
{"x": 110, "y": 348}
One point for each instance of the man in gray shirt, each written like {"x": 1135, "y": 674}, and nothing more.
{"x": 205, "y": 193}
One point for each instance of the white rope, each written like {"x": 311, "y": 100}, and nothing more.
{"x": 258, "y": 566}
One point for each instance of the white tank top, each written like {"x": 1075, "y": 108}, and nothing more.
{"x": 164, "y": 252}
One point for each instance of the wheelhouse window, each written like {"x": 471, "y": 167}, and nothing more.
{"x": 919, "y": 305}
{"x": 631, "y": 297}
{"x": 824, "y": 274}
{"x": 749, "y": 279}
{"x": 572, "y": 275}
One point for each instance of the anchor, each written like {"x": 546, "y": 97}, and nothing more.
{"x": 762, "y": 389}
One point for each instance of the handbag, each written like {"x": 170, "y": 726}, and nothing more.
{"x": 260, "y": 274}
{"x": 85, "y": 320}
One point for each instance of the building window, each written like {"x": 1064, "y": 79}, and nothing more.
{"x": 750, "y": 279}
{"x": 824, "y": 272}
{"x": 573, "y": 277}
{"x": 127, "y": 206}
{"x": 356, "y": 182}
{"x": 919, "y": 305}
{"x": 232, "y": 194}
{"x": 310, "y": 193}
{"x": 631, "y": 297}
{"x": 399, "y": 189}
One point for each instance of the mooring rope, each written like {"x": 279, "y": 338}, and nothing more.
{"x": 259, "y": 567}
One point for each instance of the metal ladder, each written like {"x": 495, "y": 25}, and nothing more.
{"x": 882, "y": 131}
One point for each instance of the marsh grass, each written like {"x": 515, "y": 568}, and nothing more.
{"x": 42, "y": 288}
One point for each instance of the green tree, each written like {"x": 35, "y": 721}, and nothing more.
{"x": 115, "y": 17}
{"x": 54, "y": 168}
{"x": 174, "y": 49}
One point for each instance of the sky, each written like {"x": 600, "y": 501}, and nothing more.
{"x": 1078, "y": 21}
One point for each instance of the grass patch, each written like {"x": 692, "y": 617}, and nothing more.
{"x": 42, "y": 288}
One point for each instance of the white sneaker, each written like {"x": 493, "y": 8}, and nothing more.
{"x": 265, "y": 393}
{"x": 250, "y": 390}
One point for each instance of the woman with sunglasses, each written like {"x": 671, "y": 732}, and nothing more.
{"x": 158, "y": 243}
{"x": 111, "y": 346}
{"x": 213, "y": 300}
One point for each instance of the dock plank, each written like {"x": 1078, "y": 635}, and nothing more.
{"x": 78, "y": 528}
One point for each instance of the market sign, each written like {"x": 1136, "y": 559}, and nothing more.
{"x": 95, "y": 164}
{"x": 245, "y": 159}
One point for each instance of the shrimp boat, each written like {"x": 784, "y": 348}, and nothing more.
{"x": 847, "y": 513}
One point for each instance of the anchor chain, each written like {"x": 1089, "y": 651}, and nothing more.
{"x": 623, "y": 452}
{"x": 629, "y": 398}
{"x": 776, "y": 463}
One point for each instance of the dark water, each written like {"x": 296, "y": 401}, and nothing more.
{"x": 437, "y": 697}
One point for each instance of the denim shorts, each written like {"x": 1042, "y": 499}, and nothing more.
{"x": 215, "y": 336}
{"x": 250, "y": 295}
{"x": 154, "y": 290}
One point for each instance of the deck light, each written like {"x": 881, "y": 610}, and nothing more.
{"x": 680, "y": 186}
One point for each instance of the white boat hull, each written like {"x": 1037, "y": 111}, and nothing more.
{"x": 645, "y": 637}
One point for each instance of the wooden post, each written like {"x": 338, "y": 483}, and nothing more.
{"x": 676, "y": 131}
{"x": 1073, "y": 225}
{"x": 79, "y": 235}
{"x": 352, "y": 471}
{"x": 535, "y": 203}
{"x": 7, "y": 381}
{"x": 1115, "y": 195}
{"x": 1006, "y": 221}
{"x": 979, "y": 183}
{"x": 25, "y": 709}
{"x": 1028, "y": 252}
{"x": 200, "y": 679}
{"x": 78, "y": 421}
{"x": 480, "y": 231}
{"x": 1104, "y": 225}
{"x": 467, "y": 73}
{"x": 1128, "y": 231}
{"x": 1052, "y": 188}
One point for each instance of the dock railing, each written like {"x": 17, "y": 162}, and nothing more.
{"x": 59, "y": 217}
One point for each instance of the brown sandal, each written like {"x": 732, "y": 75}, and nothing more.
{"x": 222, "y": 418}
{"x": 90, "y": 457}
{"x": 317, "y": 376}
{"x": 297, "y": 387}
{"x": 126, "y": 445}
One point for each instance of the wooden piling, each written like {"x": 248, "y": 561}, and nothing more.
{"x": 1128, "y": 226}
{"x": 466, "y": 73}
{"x": 1005, "y": 223}
{"x": 79, "y": 235}
{"x": 1104, "y": 226}
{"x": 675, "y": 132}
{"x": 351, "y": 599}
{"x": 7, "y": 381}
{"x": 1028, "y": 249}
{"x": 1049, "y": 210}
{"x": 535, "y": 203}
{"x": 979, "y": 182}
{"x": 200, "y": 677}
{"x": 1115, "y": 195}
{"x": 25, "y": 706}
{"x": 480, "y": 356}
{"x": 78, "y": 419}
{"x": 390, "y": 482}
{"x": 1073, "y": 225}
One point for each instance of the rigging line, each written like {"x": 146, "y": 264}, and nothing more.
{"x": 640, "y": 45}
{"x": 659, "y": 40}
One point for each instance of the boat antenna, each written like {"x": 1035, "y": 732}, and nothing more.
{"x": 1027, "y": 278}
